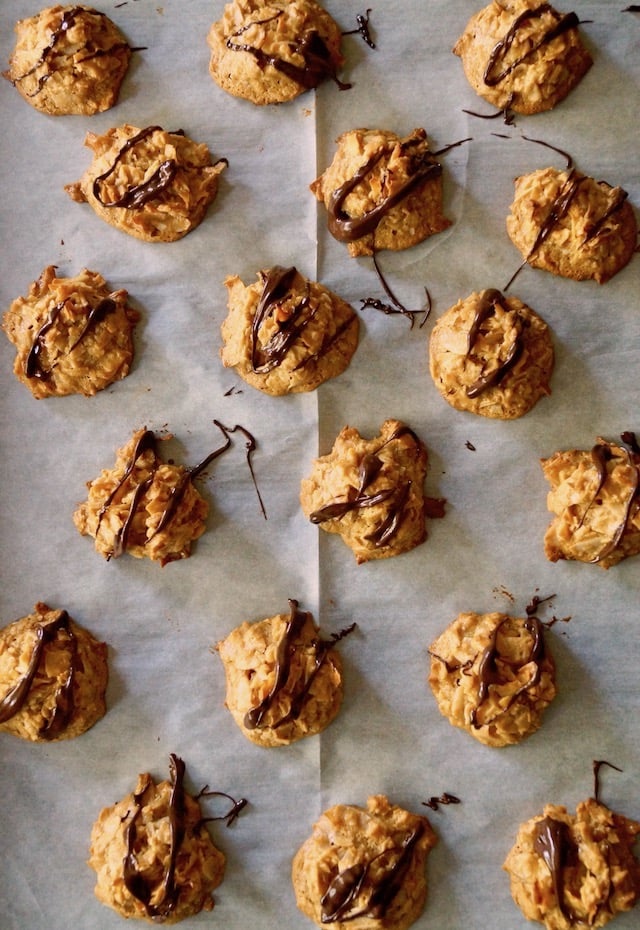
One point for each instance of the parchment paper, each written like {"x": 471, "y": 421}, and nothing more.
{"x": 166, "y": 689}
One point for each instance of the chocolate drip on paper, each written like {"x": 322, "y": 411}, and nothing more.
{"x": 95, "y": 315}
{"x": 434, "y": 802}
{"x": 489, "y": 299}
{"x": 362, "y": 29}
{"x": 311, "y": 47}
{"x": 492, "y": 76}
{"x": 337, "y": 900}
{"x": 15, "y": 698}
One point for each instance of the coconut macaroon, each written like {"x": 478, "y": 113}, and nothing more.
{"x": 53, "y": 677}
{"x": 523, "y": 55}
{"x": 364, "y": 867}
{"x": 491, "y": 355}
{"x": 69, "y": 60}
{"x": 152, "y": 184}
{"x": 371, "y": 491}
{"x": 143, "y": 506}
{"x": 594, "y": 496}
{"x": 73, "y": 335}
{"x": 572, "y": 225}
{"x": 493, "y": 676}
{"x": 285, "y": 334}
{"x": 284, "y": 682}
{"x": 271, "y": 51}
{"x": 152, "y": 853}
{"x": 575, "y": 870}
{"x": 382, "y": 191}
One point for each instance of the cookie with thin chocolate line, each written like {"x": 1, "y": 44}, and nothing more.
{"x": 523, "y": 55}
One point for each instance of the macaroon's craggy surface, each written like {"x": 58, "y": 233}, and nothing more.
{"x": 371, "y": 491}
{"x": 152, "y": 184}
{"x": 284, "y": 682}
{"x": 152, "y": 853}
{"x": 382, "y": 191}
{"x": 493, "y": 676}
{"x": 364, "y": 868}
{"x": 594, "y": 496}
{"x": 523, "y": 55}
{"x": 271, "y": 51}
{"x": 491, "y": 355}
{"x": 572, "y": 225}
{"x": 69, "y": 60}
{"x": 573, "y": 871}
{"x": 72, "y": 335}
{"x": 285, "y": 334}
{"x": 53, "y": 677}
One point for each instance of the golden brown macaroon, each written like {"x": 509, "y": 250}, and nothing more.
{"x": 152, "y": 184}
{"x": 523, "y": 55}
{"x": 491, "y": 355}
{"x": 382, "y": 191}
{"x": 364, "y": 867}
{"x": 53, "y": 677}
{"x": 594, "y": 496}
{"x": 575, "y": 871}
{"x": 493, "y": 676}
{"x": 69, "y": 60}
{"x": 143, "y": 506}
{"x": 271, "y": 51}
{"x": 72, "y": 335}
{"x": 284, "y": 682}
{"x": 152, "y": 853}
{"x": 371, "y": 491}
{"x": 285, "y": 334}
{"x": 572, "y": 225}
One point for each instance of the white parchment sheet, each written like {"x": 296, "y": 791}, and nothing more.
{"x": 166, "y": 689}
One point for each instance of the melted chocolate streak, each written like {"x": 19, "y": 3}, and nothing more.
{"x": 356, "y": 498}
{"x": 339, "y": 897}
{"x": 15, "y": 698}
{"x": 138, "y": 194}
{"x": 397, "y": 308}
{"x": 434, "y": 802}
{"x": 559, "y": 209}
{"x": 94, "y": 316}
{"x": 492, "y": 74}
{"x": 67, "y": 21}
{"x": 601, "y": 454}
{"x": 254, "y": 718}
{"x": 146, "y": 443}
{"x": 276, "y": 288}
{"x": 311, "y": 48}
{"x": 554, "y": 843}
{"x": 490, "y": 299}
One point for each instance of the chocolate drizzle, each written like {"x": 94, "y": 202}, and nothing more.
{"x": 147, "y": 443}
{"x": 601, "y": 454}
{"x": 554, "y": 844}
{"x": 356, "y": 498}
{"x": 137, "y": 195}
{"x": 497, "y": 69}
{"x": 346, "y": 228}
{"x": 362, "y": 29}
{"x": 15, "y": 698}
{"x": 67, "y": 21}
{"x": 434, "y": 802}
{"x": 395, "y": 307}
{"x": 255, "y": 717}
{"x": 343, "y": 891}
{"x": 290, "y": 322}
{"x": 489, "y": 673}
{"x": 33, "y": 367}
{"x": 311, "y": 47}
{"x": 490, "y": 299}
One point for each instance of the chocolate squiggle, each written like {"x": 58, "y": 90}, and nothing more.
{"x": 488, "y": 302}
{"x": 33, "y": 367}
{"x": 601, "y": 454}
{"x": 15, "y": 698}
{"x": 496, "y": 60}
{"x": 554, "y": 843}
{"x": 312, "y": 48}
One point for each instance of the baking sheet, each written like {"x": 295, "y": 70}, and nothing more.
{"x": 167, "y": 686}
